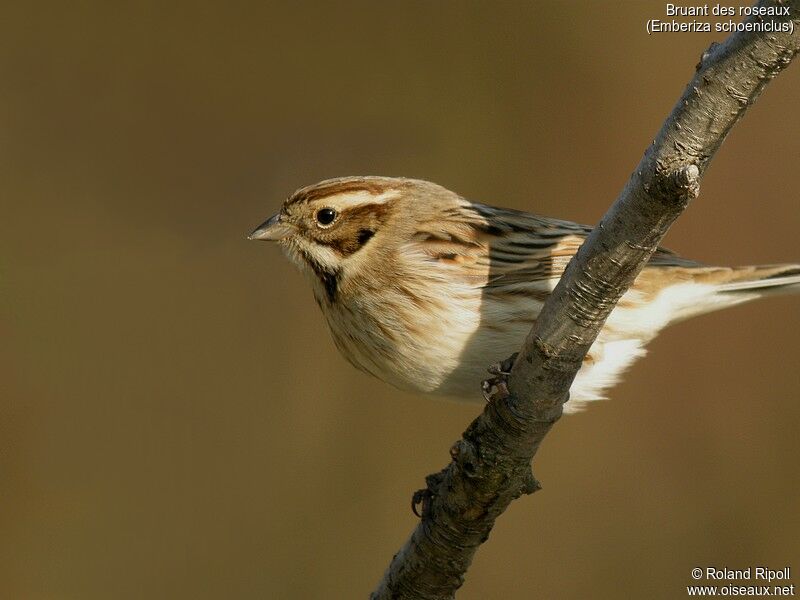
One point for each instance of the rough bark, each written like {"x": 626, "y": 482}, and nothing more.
{"x": 490, "y": 465}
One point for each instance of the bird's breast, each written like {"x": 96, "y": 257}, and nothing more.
{"x": 412, "y": 337}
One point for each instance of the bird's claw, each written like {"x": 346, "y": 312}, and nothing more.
{"x": 496, "y": 388}
{"x": 504, "y": 366}
{"x": 421, "y": 498}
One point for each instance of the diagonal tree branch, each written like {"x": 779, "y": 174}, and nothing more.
{"x": 491, "y": 463}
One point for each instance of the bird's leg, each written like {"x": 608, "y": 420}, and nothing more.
{"x": 496, "y": 388}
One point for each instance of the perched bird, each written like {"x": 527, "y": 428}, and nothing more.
{"x": 423, "y": 289}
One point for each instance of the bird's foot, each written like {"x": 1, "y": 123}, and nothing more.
{"x": 496, "y": 388}
{"x": 422, "y": 499}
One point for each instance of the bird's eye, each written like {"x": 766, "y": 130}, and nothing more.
{"x": 326, "y": 216}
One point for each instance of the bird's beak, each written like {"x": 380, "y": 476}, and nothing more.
{"x": 272, "y": 230}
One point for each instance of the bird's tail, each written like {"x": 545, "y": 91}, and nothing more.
{"x": 721, "y": 287}
{"x": 762, "y": 280}
{"x": 693, "y": 290}
{"x": 714, "y": 288}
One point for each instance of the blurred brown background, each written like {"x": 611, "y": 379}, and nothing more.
{"x": 174, "y": 419}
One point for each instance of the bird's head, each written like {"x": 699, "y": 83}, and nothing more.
{"x": 335, "y": 228}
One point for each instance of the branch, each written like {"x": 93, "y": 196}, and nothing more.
{"x": 491, "y": 463}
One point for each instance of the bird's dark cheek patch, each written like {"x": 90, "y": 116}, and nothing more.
{"x": 343, "y": 246}
{"x": 355, "y": 228}
{"x": 350, "y": 242}
{"x": 364, "y": 236}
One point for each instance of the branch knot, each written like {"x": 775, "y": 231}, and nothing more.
{"x": 688, "y": 179}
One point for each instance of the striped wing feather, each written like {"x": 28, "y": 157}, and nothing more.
{"x": 517, "y": 249}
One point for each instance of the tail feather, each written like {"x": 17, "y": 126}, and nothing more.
{"x": 766, "y": 279}
{"x": 720, "y": 287}
{"x": 698, "y": 290}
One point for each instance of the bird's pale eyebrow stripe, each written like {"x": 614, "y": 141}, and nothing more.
{"x": 341, "y": 188}
{"x": 355, "y": 200}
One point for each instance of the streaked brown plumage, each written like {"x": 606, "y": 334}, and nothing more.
{"x": 424, "y": 289}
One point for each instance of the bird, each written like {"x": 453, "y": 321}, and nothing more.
{"x": 422, "y": 288}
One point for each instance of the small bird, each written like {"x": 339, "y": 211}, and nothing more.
{"x": 423, "y": 289}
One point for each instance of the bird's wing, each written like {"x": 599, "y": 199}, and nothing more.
{"x": 516, "y": 249}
